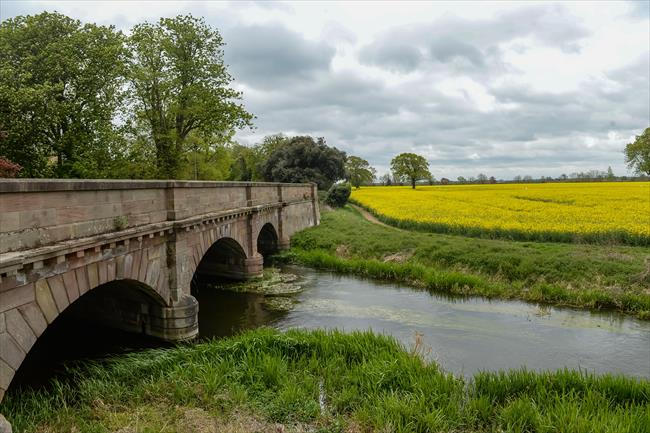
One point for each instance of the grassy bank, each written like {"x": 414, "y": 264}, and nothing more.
{"x": 321, "y": 382}
{"x": 578, "y": 275}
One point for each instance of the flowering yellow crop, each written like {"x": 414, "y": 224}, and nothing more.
{"x": 598, "y": 211}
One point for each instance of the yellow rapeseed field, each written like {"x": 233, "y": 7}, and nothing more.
{"x": 598, "y": 211}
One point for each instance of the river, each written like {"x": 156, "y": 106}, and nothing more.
{"x": 464, "y": 335}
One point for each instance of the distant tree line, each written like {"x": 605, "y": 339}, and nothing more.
{"x": 589, "y": 176}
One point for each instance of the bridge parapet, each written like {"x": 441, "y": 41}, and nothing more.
{"x": 36, "y": 212}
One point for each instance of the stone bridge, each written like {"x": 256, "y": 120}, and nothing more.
{"x": 136, "y": 245}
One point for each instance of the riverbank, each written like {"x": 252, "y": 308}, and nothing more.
{"x": 319, "y": 381}
{"x": 576, "y": 275}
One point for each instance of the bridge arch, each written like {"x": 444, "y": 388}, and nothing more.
{"x": 225, "y": 258}
{"x": 267, "y": 240}
{"x": 122, "y": 303}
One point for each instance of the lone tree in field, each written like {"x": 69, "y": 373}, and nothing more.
{"x": 180, "y": 86}
{"x": 637, "y": 154}
{"x": 359, "y": 171}
{"x": 411, "y": 166}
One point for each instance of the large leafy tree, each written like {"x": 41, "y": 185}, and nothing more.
{"x": 359, "y": 171}
{"x": 301, "y": 159}
{"x": 637, "y": 153}
{"x": 181, "y": 86}
{"x": 61, "y": 83}
{"x": 410, "y": 166}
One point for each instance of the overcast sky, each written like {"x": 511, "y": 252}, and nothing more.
{"x": 502, "y": 88}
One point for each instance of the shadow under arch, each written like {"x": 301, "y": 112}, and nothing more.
{"x": 223, "y": 311}
{"x": 115, "y": 317}
{"x": 267, "y": 240}
{"x": 225, "y": 258}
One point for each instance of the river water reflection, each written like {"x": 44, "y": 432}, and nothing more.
{"x": 462, "y": 335}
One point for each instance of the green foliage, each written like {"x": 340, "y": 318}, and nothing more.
{"x": 637, "y": 153}
{"x": 61, "y": 86}
{"x": 301, "y": 159}
{"x": 246, "y": 163}
{"x": 587, "y": 276}
{"x": 410, "y": 166}
{"x": 180, "y": 86}
{"x": 205, "y": 160}
{"x": 338, "y": 194}
{"x": 120, "y": 222}
{"x": 359, "y": 171}
{"x": 271, "y": 143}
{"x": 366, "y": 382}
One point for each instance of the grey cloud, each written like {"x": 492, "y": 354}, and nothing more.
{"x": 544, "y": 135}
{"x": 550, "y": 24}
{"x": 343, "y": 92}
{"x": 474, "y": 42}
{"x": 397, "y": 57}
{"x": 266, "y": 56}
{"x": 270, "y": 5}
{"x": 445, "y": 50}
{"x": 593, "y": 108}
{"x": 338, "y": 33}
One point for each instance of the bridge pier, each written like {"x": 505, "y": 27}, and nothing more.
{"x": 176, "y": 323}
{"x": 253, "y": 267}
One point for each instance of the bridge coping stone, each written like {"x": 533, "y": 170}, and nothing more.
{"x": 43, "y": 185}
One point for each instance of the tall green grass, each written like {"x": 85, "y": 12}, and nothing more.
{"x": 328, "y": 381}
{"x": 584, "y": 276}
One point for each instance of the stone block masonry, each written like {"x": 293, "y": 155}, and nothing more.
{"x": 135, "y": 244}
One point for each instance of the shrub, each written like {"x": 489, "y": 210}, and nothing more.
{"x": 338, "y": 194}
